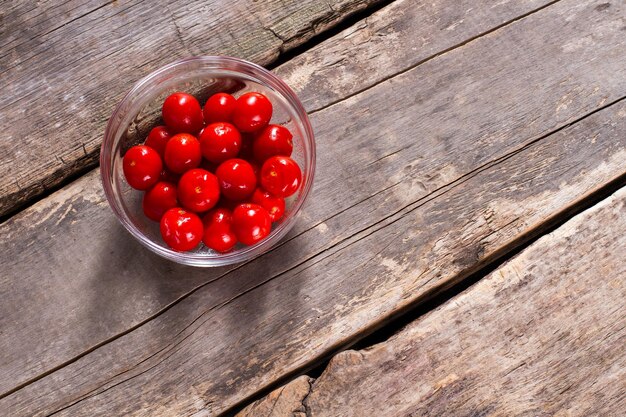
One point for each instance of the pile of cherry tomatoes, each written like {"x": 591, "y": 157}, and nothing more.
{"x": 224, "y": 162}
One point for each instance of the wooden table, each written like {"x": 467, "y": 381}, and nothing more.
{"x": 463, "y": 251}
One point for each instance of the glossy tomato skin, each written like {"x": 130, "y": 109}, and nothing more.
{"x": 281, "y": 176}
{"x": 251, "y": 223}
{"x": 253, "y": 111}
{"x": 157, "y": 139}
{"x": 182, "y": 153}
{"x": 182, "y": 113}
{"x": 198, "y": 190}
{"x": 219, "y": 108}
{"x": 181, "y": 230}
{"x": 220, "y": 238}
{"x": 237, "y": 179}
{"x": 158, "y": 199}
{"x": 271, "y": 141}
{"x": 218, "y": 215}
{"x": 142, "y": 167}
{"x": 218, "y": 233}
{"x": 220, "y": 141}
{"x": 275, "y": 206}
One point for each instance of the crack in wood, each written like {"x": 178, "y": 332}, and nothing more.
{"x": 75, "y": 19}
{"x": 377, "y": 334}
{"x": 349, "y": 240}
{"x": 476, "y": 225}
{"x": 29, "y": 194}
{"x": 340, "y": 384}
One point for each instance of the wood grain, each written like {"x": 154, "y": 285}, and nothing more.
{"x": 543, "y": 335}
{"x": 373, "y": 47}
{"x": 135, "y": 299}
{"x": 402, "y": 35}
{"x": 198, "y": 357}
{"x": 342, "y": 273}
{"x": 65, "y": 66}
{"x": 285, "y": 401}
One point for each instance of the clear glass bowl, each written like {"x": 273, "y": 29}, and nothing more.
{"x": 140, "y": 110}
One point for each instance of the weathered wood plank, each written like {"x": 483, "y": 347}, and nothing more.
{"x": 199, "y": 357}
{"x": 138, "y": 298}
{"x": 380, "y": 51}
{"x": 65, "y": 66}
{"x": 401, "y": 36}
{"x": 24, "y": 21}
{"x": 324, "y": 268}
{"x": 285, "y": 401}
{"x": 543, "y": 335}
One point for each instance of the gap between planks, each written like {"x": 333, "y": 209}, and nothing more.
{"x": 390, "y": 345}
{"x": 426, "y": 198}
{"x": 285, "y": 53}
{"x": 602, "y": 193}
{"x": 382, "y": 331}
{"x": 284, "y": 56}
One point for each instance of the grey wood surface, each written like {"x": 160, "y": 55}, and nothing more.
{"x": 135, "y": 300}
{"x": 401, "y": 36}
{"x": 65, "y": 65}
{"x": 313, "y": 294}
{"x": 543, "y": 335}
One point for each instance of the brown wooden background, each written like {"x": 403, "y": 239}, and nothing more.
{"x": 465, "y": 234}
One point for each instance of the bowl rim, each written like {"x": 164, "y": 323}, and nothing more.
{"x": 212, "y": 259}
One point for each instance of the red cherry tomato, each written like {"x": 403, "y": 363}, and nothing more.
{"x": 181, "y": 230}
{"x": 142, "y": 167}
{"x": 218, "y": 233}
{"x": 182, "y": 153}
{"x": 220, "y": 141}
{"x": 219, "y": 108}
{"x": 220, "y": 238}
{"x": 253, "y": 111}
{"x": 281, "y": 176}
{"x": 236, "y": 178}
{"x": 157, "y": 139}
{"x": 198, "y": 190}
{"x": 251, "y": 223}
{"x": 275, "y": 206}
{"x": 220, "y": 215}
{"x": 158, "y": 199}
{"x": 273, "y": 140}
{"x": 182, "y": 113}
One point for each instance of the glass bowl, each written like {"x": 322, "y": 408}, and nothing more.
{"x": 140, "y": 110}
